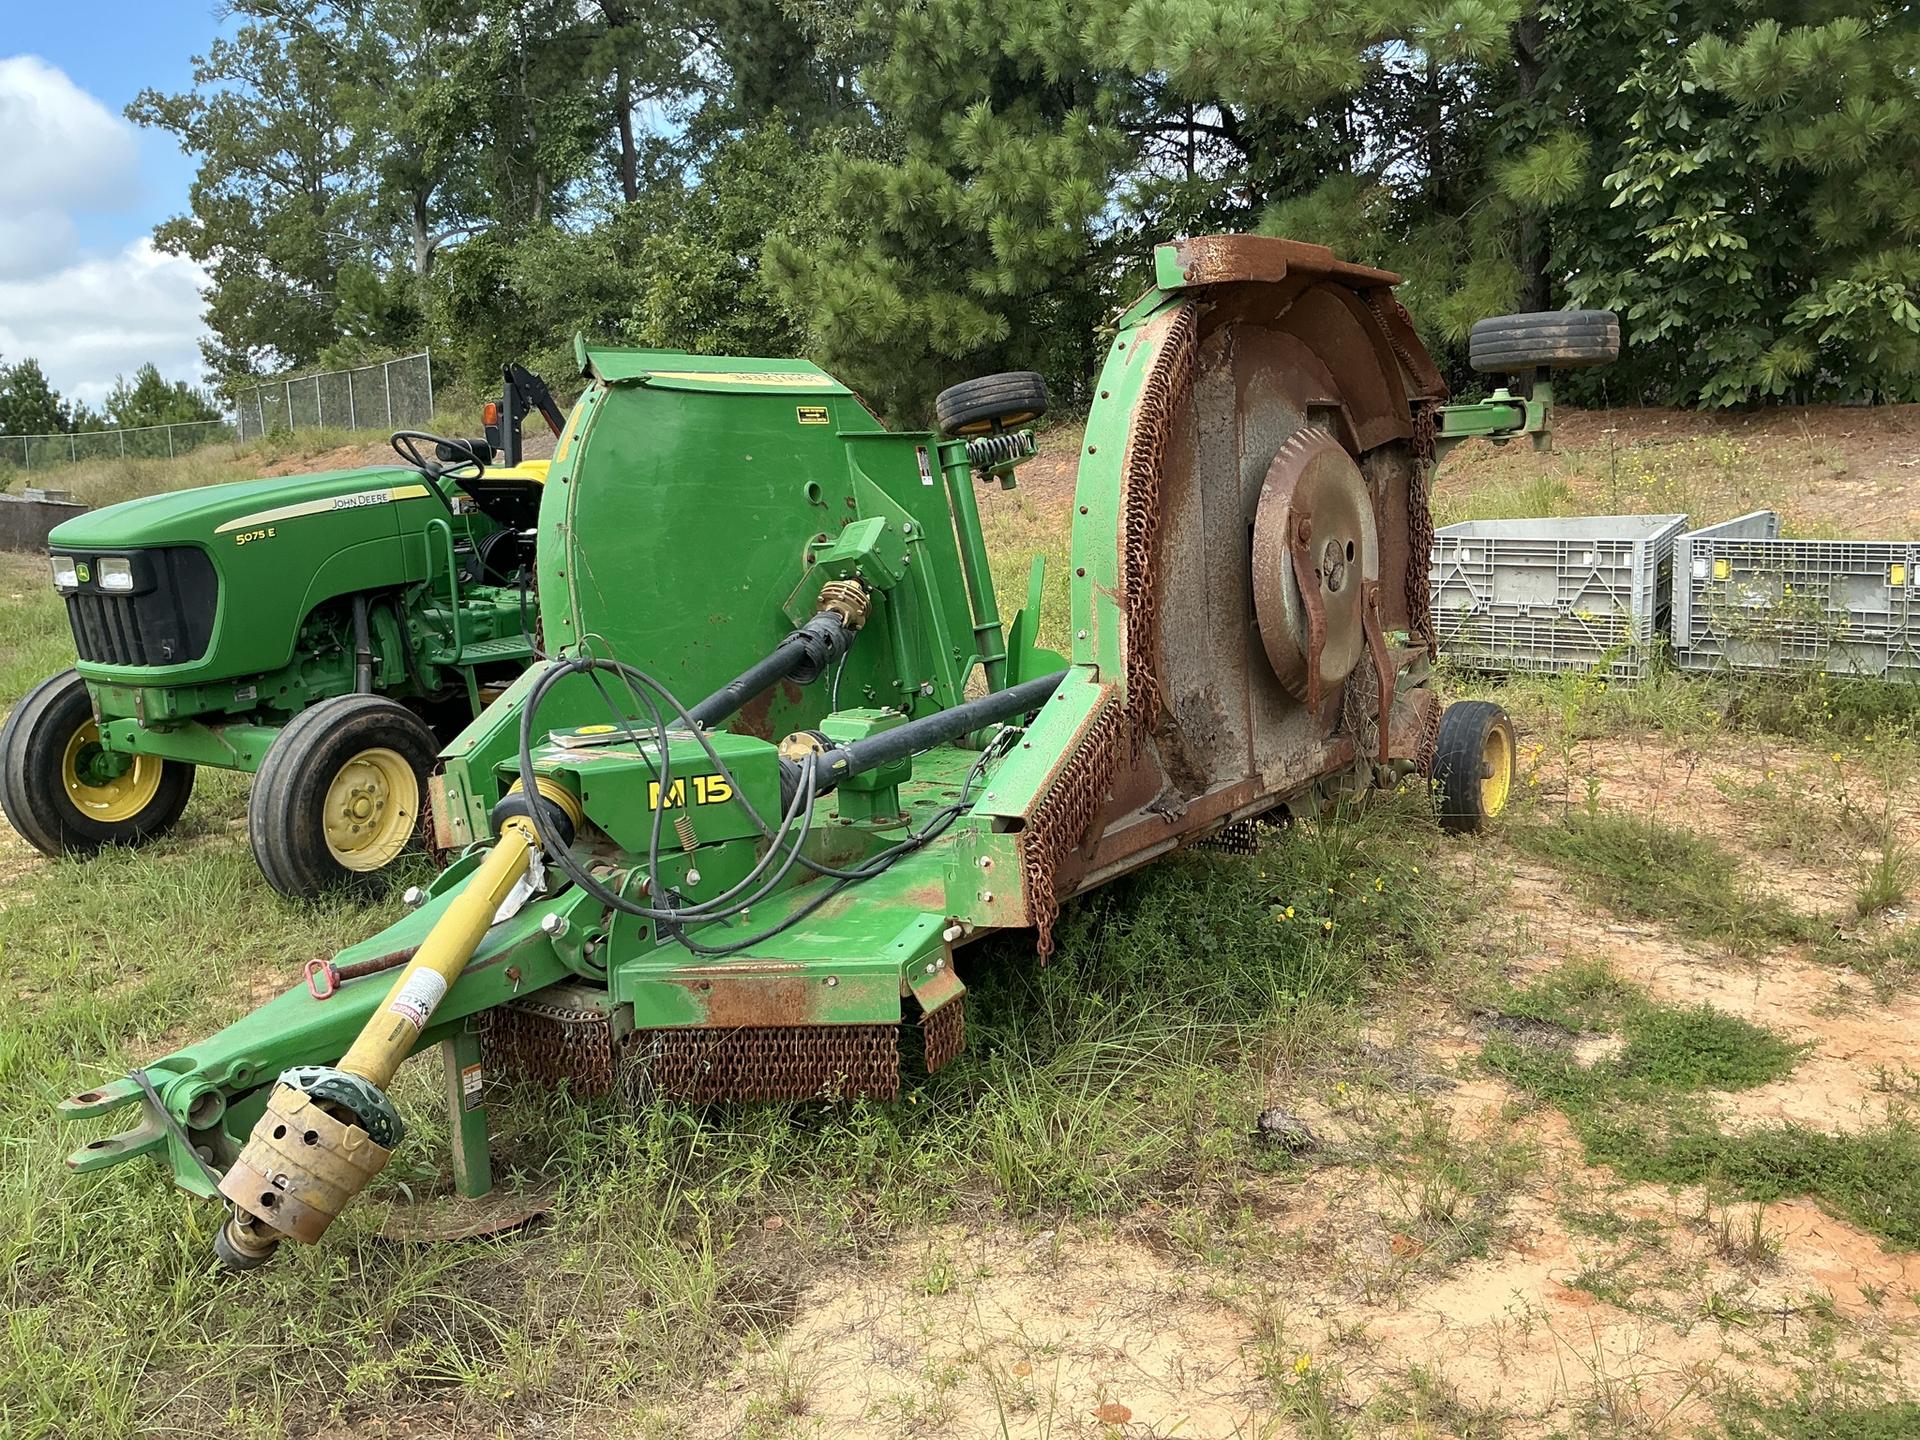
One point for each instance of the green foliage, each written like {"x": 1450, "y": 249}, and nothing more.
{"x": 1813, "y": 1415}
{"x": 29, "y": 405}
{"x": 151, "y": 400}
{"x": 914, "y": 194}
{"x": 1740, "y": 143}
{"x": 1642, "y": 868}
{"x": 273, "y": 216}
{"x": 1642, "y": 1112}
{"x": 1125, "y": 1070}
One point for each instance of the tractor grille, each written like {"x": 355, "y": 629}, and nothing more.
{"x": 166, "y": 620}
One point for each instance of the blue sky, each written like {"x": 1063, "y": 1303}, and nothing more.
{"x": 80, "y": 285}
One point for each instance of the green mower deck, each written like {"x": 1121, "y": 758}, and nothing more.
{"x": 786, "y": 762}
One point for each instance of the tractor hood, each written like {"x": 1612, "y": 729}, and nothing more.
{"x": 186, "y": 517}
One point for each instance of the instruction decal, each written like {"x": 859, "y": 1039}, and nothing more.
{"x": 422, "y": 990}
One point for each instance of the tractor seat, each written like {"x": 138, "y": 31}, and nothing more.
{"x": 510, "y": 496}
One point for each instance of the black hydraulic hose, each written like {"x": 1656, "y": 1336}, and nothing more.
{"x": 802, "y": 657}
{"x": 937, "y": 729}
{"x": 799, "y": 785}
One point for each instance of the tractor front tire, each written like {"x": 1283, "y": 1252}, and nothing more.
{"x": 993, "y": 402}
{"x": 1544, "y": 340}
{"x": 66, "y": 793}
{"x": 340, "y": 794}
{"x": 1473, "y": 764}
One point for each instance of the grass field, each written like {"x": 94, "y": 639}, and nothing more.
{"x": 1599, "y": 1126}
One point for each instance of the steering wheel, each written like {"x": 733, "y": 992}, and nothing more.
{"x": 455, "y": 460}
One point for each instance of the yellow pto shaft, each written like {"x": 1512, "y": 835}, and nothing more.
{"x": 394, "y": 1029}
{"x": 310, "y": 1152}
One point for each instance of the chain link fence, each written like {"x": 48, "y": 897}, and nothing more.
{"x": 145, "y": 442}
{"x": 394, "y": 395}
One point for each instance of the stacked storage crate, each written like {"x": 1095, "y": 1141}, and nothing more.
{"x": 1581, "y": 593}
{"x": 1744, "y": 599}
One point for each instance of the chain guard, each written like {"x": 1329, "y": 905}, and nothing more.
{"x": 545, "y": 1042}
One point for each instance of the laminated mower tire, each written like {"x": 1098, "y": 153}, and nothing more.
{"x": 1545, "y": 339}
{"x": 340, "y": 794}
{"x": 992, "y": 402}
{"x": 1473, "y": 764}
{"x": 65, "y": 793}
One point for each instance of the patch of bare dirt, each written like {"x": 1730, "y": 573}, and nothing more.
{"x": 343, "y": 457}
{"x": 1862, "y": 1054}
{"x": 1045, "y": 482}
{"x": 994, "y": 1333}
{"x": 1852, "y": 467}
{"x": 1538, "y": 1293}
{"x": 1594, "y": 1303}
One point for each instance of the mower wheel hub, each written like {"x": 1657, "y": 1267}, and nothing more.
{"x": 1314, "y": 543}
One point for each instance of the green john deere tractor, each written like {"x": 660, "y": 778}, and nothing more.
{"x": 327, "y": 632}
{"x": 782, "y": 764}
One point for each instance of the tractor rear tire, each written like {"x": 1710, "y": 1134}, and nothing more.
{"x": 1544, "y": 340}
{"x": 340, "y": 794}
{"x": 1473, "y": 764}
{"x": 993, "y": 402}
{"x": 55, "y": 785}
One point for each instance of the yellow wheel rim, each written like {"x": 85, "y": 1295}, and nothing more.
{"x": 371, "y": 809}
{"x": 1496, "y": 770}
{"x": 109, "y": 799}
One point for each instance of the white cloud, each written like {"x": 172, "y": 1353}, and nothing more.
{"x": 95, "y": 319}
{"x": 86, "y": 318}
{"x": 63, "y": 148}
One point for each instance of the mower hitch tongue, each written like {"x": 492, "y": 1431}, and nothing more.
{"x": 727, "y": 839}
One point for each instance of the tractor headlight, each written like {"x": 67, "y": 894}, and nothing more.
{"x": 65, "y": 577}
{"x": 116, "y": 572}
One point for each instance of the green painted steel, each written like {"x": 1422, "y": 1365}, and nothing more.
{"x": 288, "y": 556}
{"x": 1502, "y": 416}
{"x": 694, "y": 509}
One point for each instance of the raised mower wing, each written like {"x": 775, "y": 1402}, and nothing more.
{"x": 1249, "y": 551}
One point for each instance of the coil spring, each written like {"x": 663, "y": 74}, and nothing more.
{"x": 988, "y": 451}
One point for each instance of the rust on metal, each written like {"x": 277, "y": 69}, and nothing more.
{"x": 1428, "y": 745}
{"x": 1419, "y": 596}
{"x": 1315, "y": 552}
{"x": 447, "y": 1219}
{"x": 754, "y": 998}
{"x": 1162, "y": 393}
{"x": 1059, "y": 823}
{"x": 1384, "y": 670}
{"x": 777, "y": 1062}
{"x": 547, "y": 1041}
{"x": 1268, "y": 260}
{"x": 944, "y": 1033}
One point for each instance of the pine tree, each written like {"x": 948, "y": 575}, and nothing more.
{"x": 1833, "y": 116}
{"x": 976, "y": 239}
{"x": 151, "y": 400}
{"x": 29, "y": 405}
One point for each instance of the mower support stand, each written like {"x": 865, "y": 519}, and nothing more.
{"x": 466, "y": 1114}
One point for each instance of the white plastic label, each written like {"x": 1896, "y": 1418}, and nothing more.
{"x": 423, "y": 990}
